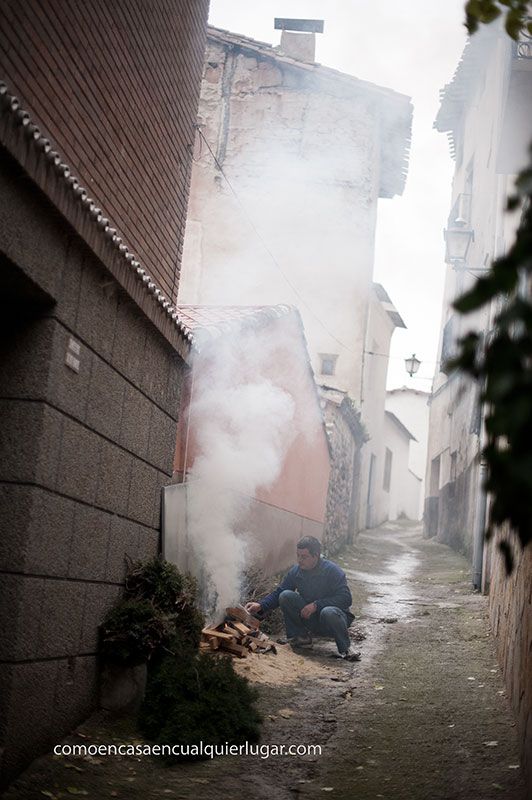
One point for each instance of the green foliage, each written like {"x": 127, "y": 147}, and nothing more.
{"x": 485, "y": 11}
{"x": 189, "y": 697}
{"x": 156, "y": 615}
{"x": 170, "y": 592}
{"x": 192, "y": 698}
{"x": 132, "y": 632}
{"x": 157, "y": 581}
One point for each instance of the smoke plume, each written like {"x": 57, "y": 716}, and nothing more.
{"x": 244, "y": 425}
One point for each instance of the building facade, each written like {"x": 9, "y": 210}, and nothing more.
{"x": 97, "y": 108}
{"x": 383, "y": 319}
{"x": 291, "y": 159}
{"x": 252, "y": 448}
{"x": 411, "y": 406}
{"x": 485, "y": 113}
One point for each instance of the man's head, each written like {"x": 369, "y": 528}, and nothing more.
{"x": 308, "y": 551}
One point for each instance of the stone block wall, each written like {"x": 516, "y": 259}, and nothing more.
{"x": 84, "y": 452}
{"x": 510, "y": 600}
{"x": 346, "y": 437}
{"x": 450, "y": 515}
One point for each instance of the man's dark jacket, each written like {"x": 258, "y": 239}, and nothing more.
{"x": 325, "y": 585}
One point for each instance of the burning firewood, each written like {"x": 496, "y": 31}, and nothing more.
{"x": 238, "y": 635}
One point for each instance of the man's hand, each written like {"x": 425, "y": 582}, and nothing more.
{"x": 308, "y": 610}
{"x": 253, "y": 608}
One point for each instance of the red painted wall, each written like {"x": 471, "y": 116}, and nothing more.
{"x": 302, "y": 485}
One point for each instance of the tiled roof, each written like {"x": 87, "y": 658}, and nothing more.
{"x": 36, "y": 154}
{"x": 455, "y": 94}
{"x": 388, "y": 306}
{"x": 395, "y": 108}
{"x": 217, "y": 320}
{"x": 266, "y": 49}
{"x": 407, "y": 390}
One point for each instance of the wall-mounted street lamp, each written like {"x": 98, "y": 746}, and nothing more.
{"x": 412, "y": 364}
{"x": 457, "y": 242}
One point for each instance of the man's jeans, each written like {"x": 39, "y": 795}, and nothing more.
{"x": 330, "y": 621}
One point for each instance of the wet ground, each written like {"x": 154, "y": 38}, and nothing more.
{"x": 423, "y": 715}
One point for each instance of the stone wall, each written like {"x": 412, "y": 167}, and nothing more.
{"x": 456, "y": 511}
{"x": 346, "y": 438}
{"x": 89, "y": 401}
{"x": 450, "y": 515}
{"x": 311, "y": 189}
{"x": 511, "y": 623}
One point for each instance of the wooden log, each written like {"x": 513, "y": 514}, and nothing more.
{"x": 242, "y": 615}
{"x": 217, "y": 634}
{"x": 228, "y": 628}
{"x": 244, "y": 629}
{"x": 207, "y": 645}
{"x": 235, "y": 649}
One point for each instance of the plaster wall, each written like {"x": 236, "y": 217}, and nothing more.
{"x": 301, "y": 487}
{"x": 269, "y": 533}
{"x": 490, "y": 136}
{"x": 373, "y": 506}
{"x": 402, "y": 499}
{"x": 411, "y": 407}
{"x": 454, "y": 413}
{"x": 303, "y": 160}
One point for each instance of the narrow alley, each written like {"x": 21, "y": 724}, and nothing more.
{"x": 424, "y": 714}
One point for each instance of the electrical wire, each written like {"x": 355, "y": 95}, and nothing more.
{"x": 278, "y": 266}
{"x": 271, "y": 255}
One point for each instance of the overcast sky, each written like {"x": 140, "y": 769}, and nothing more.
{"x": 412, "y": 47}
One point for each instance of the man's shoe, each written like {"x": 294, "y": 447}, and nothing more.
{"x": 350, "y": 655}
{"x": 301, "y": 641}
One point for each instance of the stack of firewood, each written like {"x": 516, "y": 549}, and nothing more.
{"x": 238, "y": 635}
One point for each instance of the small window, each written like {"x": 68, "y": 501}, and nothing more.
{"x": 454, "y": 459}
{"x": 435, "y": 477}
{"x": 328, "y": 363}
{"x": 387, "y": 470}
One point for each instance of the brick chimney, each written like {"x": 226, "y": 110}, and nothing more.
{"x": 298, "y": 37}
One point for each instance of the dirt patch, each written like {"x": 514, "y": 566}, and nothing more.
{"x": 283, "y": 669}
{"x": 423, "y": 716}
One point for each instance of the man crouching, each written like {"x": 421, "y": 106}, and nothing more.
{"x": 314, "y": 598}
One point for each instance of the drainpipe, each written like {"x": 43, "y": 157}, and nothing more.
{"x": 479, "y": 529}
{"x": 482, "y": 499}
{"x": 189, "y": 413}
{"x": 480, "y": 522}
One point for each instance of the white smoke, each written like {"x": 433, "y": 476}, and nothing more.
{"x": 244, "y": 425}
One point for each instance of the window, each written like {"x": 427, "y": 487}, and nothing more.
{"x": 435, "y": 477}
{"x": 452, "y": 474}
{"x": 454, "y": 459}
{"x": 387, "y": 470}
{"x": 328, "y": 363}
{"x": 448, "y": 345}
